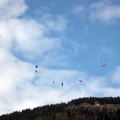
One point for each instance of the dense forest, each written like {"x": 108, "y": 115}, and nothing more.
{"x": 89, "y": 108}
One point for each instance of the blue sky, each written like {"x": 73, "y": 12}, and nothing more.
{"x": 68, "y": 40}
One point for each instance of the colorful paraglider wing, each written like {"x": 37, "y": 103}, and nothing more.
{"x": 35, "y": 71}
{"x": 80, "y": 81}
{"x": 103, "y": 65}
{"x": 36, "y": 66}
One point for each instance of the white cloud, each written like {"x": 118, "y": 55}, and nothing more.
{"x": 55, "y": 23}
{"x": 79, "y": 9}
{"x": 23, "y": 38}
{"x": 116, "y": 76}
{"x": 109, "y": 91}
{"x": 105, "y": 11}
{"x": 27, "y": 37}
{"x": 11, "y": 8}
{"x": 58, "y": 25}
{"x": 77, "y": 47}
{"x": 54, "y": 59}
{"x": 107, "y": 51}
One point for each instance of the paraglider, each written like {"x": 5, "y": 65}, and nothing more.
{"x": 36, "y": 68}
{"x": 80, "y": 81}
{"x": 53, "y": 82}
{"x": 62, "y": 84}
{"x": 103, "y": 65}
{"x": 35, "y": 71}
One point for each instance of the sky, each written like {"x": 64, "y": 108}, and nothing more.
{"x": 68, "y": 40}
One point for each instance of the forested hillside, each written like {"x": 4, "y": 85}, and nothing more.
{"x": 92, "y": 108}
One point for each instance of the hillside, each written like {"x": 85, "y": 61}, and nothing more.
{"x": 91, "y": 108}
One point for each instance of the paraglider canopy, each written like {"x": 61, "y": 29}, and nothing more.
{"x": 36, "y": 66}
{"x": 35, "y": 71}
{"x": 80, "y": 81}
{"x": 103, "y": 65}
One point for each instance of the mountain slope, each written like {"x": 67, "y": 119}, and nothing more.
{"x": 91, "y": 108}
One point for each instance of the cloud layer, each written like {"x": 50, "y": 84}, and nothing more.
{"x": 11, "y": 8}
{"x": 105, "y": 11}
{"x": 102, "y": 11}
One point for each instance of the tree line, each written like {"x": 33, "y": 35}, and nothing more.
{"x": 108, "y": 109}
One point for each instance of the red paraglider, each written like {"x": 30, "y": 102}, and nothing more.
{"x": 103, "y": 65}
